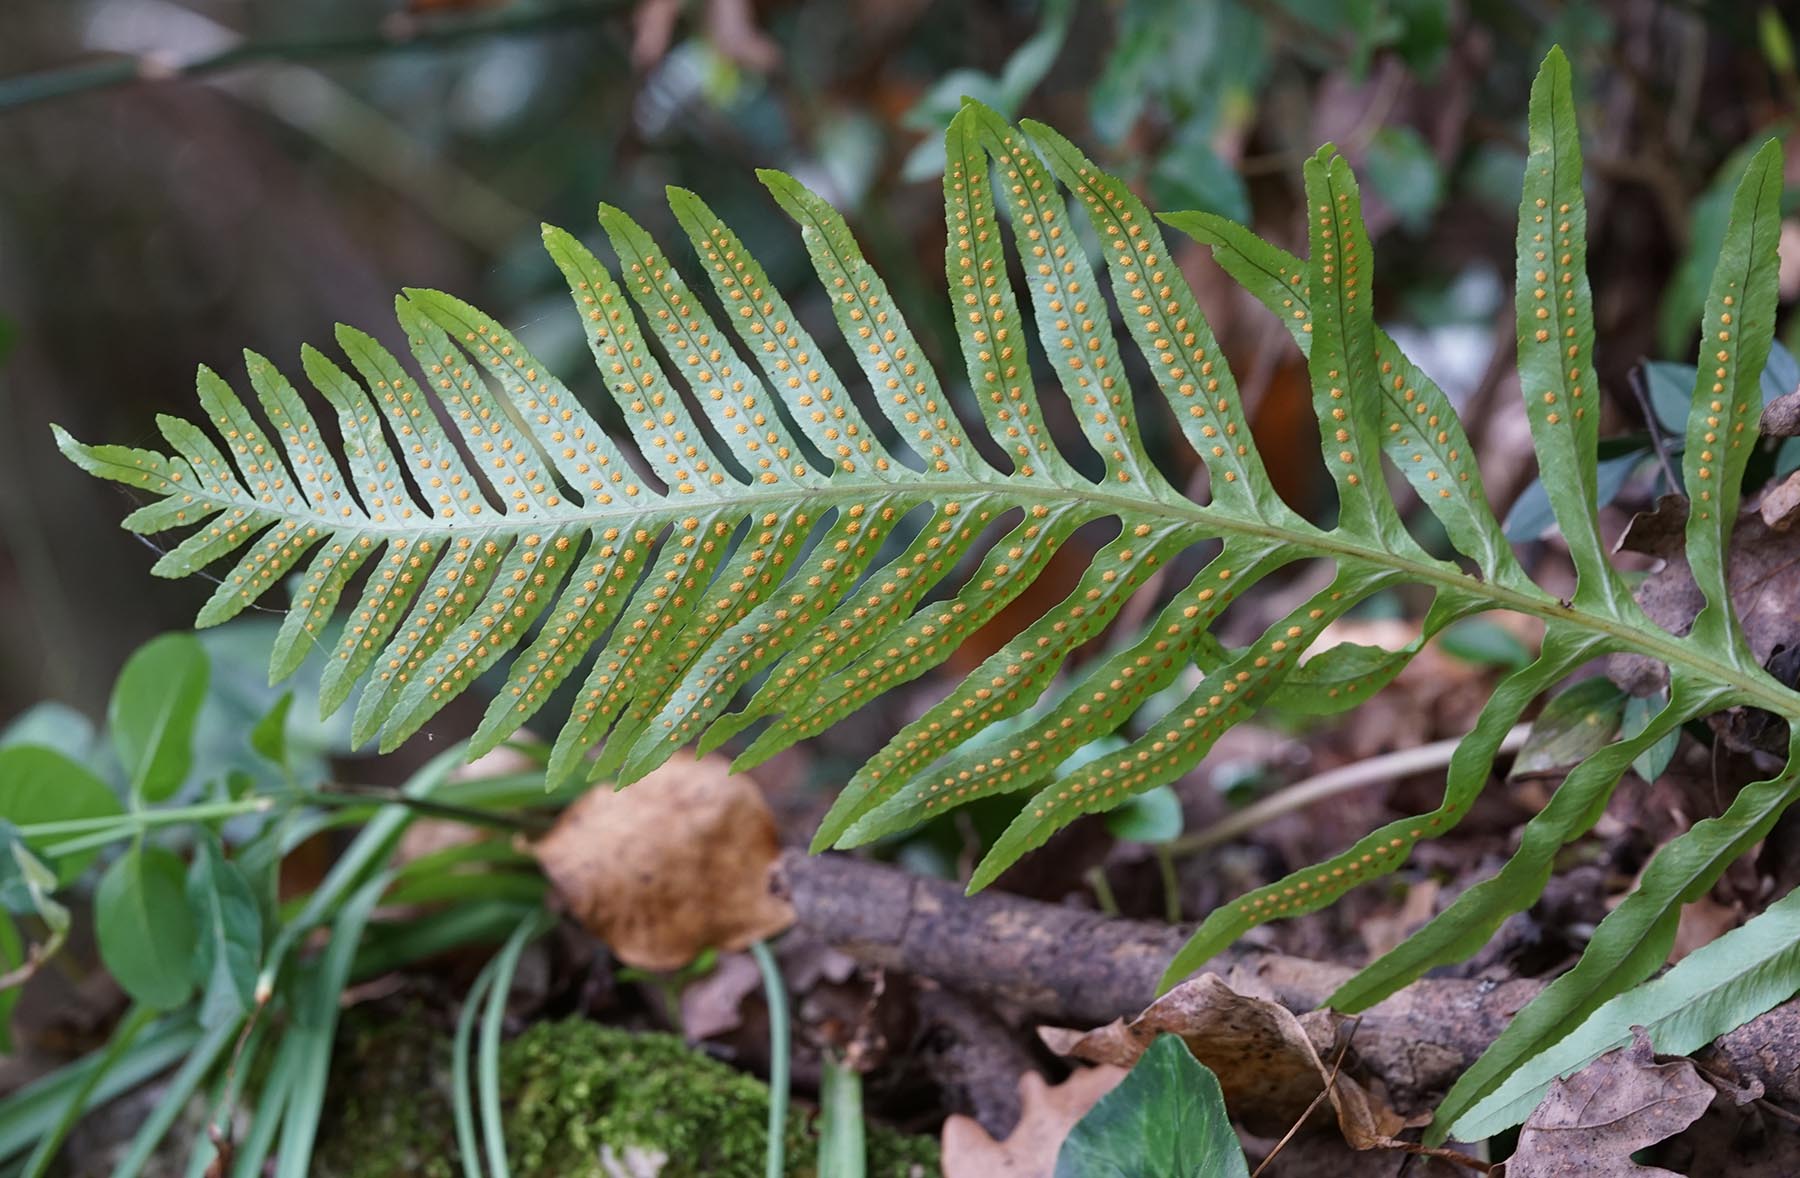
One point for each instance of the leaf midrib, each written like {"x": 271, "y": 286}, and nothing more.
{"x": 1658, "y": 643}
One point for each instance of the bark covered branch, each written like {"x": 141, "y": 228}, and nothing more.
{"x": 1073, "y": 967}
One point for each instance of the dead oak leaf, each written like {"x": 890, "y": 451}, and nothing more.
{"x": 1590, "y": 1124}
{"x": 677, "y": 863}
{"x": 1271, "y": 1064}
{"x": 1047, "y": 1113}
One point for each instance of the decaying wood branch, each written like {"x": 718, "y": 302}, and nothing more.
{"x": 1073, "y": 967}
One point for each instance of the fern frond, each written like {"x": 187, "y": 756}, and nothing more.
{"x": 774, "y": 534}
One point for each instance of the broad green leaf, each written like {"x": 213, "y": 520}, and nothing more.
{"x": 155, "y": 703}
{"x": 146, "y": 931}
{"x": 1713, "y": 990}
{"x": 38, "y": 785}
{"x": 228, "y": 942}
{"x": 1166, "y": 1119}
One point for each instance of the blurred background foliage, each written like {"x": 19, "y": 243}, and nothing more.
{"x": 184, "y": 178}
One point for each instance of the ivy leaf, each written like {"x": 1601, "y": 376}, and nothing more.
{"x": 1166, "y": 1119}
{"x": 155, "y": 702}
{"x": 228, "y": 943}
{"x": 145, "y": 928}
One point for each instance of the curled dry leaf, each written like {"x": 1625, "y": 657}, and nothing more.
{"x": 678, "y": 863}
{"x": 1271, "y": 1064}
{"x": 1047, "y": 1113}
{"x": 1590, "y": 1124}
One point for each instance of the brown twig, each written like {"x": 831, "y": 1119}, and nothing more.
{"x": 1070, "y": 966}
{"x": 1337, "y": 1066}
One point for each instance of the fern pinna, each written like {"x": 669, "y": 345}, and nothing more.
{"x": 773, "y": 557}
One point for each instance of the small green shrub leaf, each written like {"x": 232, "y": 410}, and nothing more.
{"x": 228, "y": 942}
{"x": 145, "y": 928}
{"x": 155, "y": 703}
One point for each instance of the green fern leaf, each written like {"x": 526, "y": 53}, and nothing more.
{"x": 789, "y": 540}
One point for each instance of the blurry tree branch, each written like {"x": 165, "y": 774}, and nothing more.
{"x": 399, "y": 33}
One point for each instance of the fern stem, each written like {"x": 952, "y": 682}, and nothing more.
{"x": 1207, "y": 522}
{"x": 112, "y": 829}
{"x": 1329, "y": 784}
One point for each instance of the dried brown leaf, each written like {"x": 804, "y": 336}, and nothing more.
{"x": 712, "y": 1005}
{"x": 678, "y": 863}
{"x": 1271, "y": 1063}
{"x": 1764, "y": 573}
{"x": 1047, "y": 1114}
{"x": 1590, "y": 1124}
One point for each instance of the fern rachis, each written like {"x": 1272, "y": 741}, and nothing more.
{"x": 779, "y": 566}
